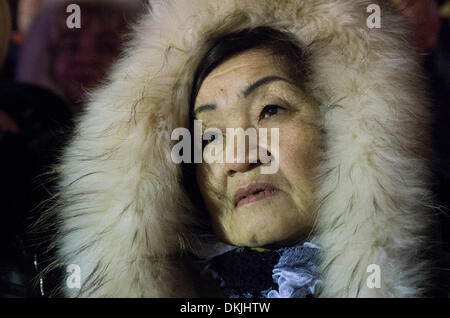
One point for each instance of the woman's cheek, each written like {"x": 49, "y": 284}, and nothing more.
{"x": 298, "y": 156}
{"x": 291, "y": 149}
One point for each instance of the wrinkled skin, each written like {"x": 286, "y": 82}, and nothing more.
{"x": 287, "y": 215}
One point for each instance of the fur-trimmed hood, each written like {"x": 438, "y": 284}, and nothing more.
{"x": 123, "y": 216}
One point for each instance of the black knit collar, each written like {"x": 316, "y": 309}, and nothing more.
{"x": 245, "y": 272}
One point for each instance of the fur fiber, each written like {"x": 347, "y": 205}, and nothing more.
{"x": 123, "y": 216}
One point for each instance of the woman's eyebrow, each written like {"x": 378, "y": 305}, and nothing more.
{"x": 203, "y": 108}
{"x": 245, "y": 93}
{"x": 260, "y": 82}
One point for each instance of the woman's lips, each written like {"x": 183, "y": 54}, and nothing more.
{"x": 254, "y": 192}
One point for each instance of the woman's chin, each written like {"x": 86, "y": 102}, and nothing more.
{"x": 266, "y": 234}
{"x": 270, "y": 221}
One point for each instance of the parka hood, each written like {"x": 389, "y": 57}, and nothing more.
{"x": 123, "y": 215}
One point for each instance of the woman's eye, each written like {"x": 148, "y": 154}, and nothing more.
{"x": 269, "y": 111}
{"x": 208, "y": 138}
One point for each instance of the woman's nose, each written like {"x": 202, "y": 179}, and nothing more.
{"x": 242, "y": 161}
{"x": 232, "y": 168}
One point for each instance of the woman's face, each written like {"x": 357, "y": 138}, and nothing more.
{"x": 248, "y": 208}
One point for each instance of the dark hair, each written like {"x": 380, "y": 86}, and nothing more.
{"x": 276, "y": 42}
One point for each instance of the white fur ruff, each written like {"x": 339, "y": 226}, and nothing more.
{"x": 123, "y": 217}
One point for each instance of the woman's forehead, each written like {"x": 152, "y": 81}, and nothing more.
{"x": 231, "y": 77}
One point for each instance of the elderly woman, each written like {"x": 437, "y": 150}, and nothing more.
{"x": 345, "y": 115}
